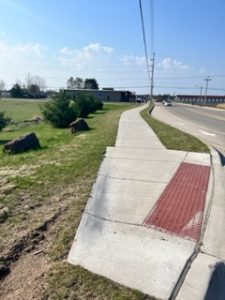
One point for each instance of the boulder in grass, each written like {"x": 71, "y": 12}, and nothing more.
{"x": 22, "y": 144}
{"x": 79, "y": 125}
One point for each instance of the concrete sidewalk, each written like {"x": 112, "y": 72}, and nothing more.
{"x": 124, "y": 233}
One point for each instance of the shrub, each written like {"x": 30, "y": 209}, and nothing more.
{"x": 96, "y": 105}
{"x": 87, "y": 105}
{"x": 4, "y": 121}
{"x": 84, "y": 105}
{"x": 60, "y": 111}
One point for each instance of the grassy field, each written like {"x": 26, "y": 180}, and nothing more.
{"x": 173, "y": 138}
{"x": 20, "y": 109}
{"x": 45, "y": 192}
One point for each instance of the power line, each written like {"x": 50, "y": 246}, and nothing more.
{"x": 152, "y": 47}
{"x": 152, "y": 26}
{"x": 144, "y": 39}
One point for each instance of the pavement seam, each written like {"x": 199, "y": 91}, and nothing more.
{"x": 129, "y": 179}
{"x": 111, "y": 220}
{"x": 140, "y": 159}
{"x": 211, "y": 255}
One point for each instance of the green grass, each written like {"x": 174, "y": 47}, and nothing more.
{"x": 92, "y": 286}
{"x": 20, "y": 109}
{"x": 59, "y": 175}
{"x": 173, "y": 138}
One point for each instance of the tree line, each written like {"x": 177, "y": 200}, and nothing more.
{"x": 80, "y": 83}
{"x": 34, "y": 86}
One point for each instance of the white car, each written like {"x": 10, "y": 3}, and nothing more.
{"x": 167, "y": 103}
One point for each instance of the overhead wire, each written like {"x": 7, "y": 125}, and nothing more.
{"x": 152, "y": 21}
{"x": 144, "y": 40}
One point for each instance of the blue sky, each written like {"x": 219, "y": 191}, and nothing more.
{"x": 103, "y": 39}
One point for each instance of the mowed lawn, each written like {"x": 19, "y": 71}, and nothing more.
{"x": 20, "y": 109}
{"x": 45, "y": 192}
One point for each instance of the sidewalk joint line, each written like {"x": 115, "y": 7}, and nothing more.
{"x": 129, "y": 179}
{"x": 146, "y": 159}
{"x": 111, "y": 220}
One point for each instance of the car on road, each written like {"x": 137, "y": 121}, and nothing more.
{"x": 167, "y": 102}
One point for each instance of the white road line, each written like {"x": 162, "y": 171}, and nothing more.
{"x": 188, "y": 122}
{"x": 206, "y": 133}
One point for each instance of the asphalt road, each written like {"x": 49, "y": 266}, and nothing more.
{"x": 208, "y": 124}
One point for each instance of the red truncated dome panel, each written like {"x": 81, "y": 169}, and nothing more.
{"x": 179, "y": 209}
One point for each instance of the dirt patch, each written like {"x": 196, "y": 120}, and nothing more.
{"x": 26, "y": 280}
{"x": 26, "y": 264}
{"x": 27, "y": 254}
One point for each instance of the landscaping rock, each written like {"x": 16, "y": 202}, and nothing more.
{"x": 23, "y": 143}
{"x": 79, "y": 125}
{"x": 35, "y": 119}
{"x": 4, "y": 212}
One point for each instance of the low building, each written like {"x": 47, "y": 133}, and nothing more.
{"x": 105, "y": 95}
{"x": 200, "y": 99}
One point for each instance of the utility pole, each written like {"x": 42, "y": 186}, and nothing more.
{"x": 201, "y": 89}
{"x": 152, "y": 76}
{"x": 207, "y": 79}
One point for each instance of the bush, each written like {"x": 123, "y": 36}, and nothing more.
{"x": 96, "y": 105}
{"x": 87, "y": 105}
{"x": 84, "y": 105}
{"x": 60, "y": 111}
{"x": 4, "y": 121}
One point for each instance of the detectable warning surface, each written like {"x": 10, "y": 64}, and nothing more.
{"x": 179, "y": 210}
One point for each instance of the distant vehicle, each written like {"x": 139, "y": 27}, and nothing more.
{"x": 139, "y": 100}
{"x": 167, "y": 102}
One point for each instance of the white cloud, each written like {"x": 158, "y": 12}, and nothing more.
{"x": 20, "y": 52}
{"x": 129, "y": 60}
{"x": 168, "y": 64}
{"x": 108, "y": 49}
{"x": 80, "y": 58}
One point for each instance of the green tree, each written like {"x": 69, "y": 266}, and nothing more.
{"x": 61, "y": 110}
{"x": 16, "y": 91}
{"x": 91, "y": 83}
{"x": 4, "y": 121}
{"x": 34, "y": 91}
{"x": 75, "y": 83}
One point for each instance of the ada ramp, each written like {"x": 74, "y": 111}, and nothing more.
{"x": 112, "y": 240}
